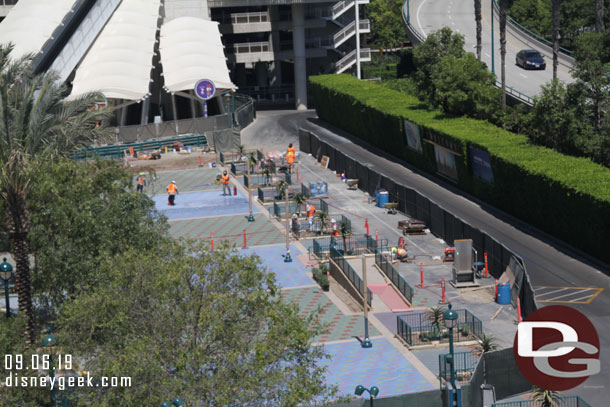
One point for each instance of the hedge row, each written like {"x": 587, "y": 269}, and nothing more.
{"x": 566, "y": 196}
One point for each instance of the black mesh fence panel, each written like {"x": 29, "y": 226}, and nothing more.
{"x": 410, "y": 202}
{"x": 402, "y": 201}
{"x": 458, "y": 229}
{"x": 422, "y": 208}
{"x": 449, "y": 221}
{"x": 504, "y": 375}
{"x": 314, "y": 146}
{"x": 363, "y": 176}
{"x": 437, "y": 222}
{"x": 305, "y": 141}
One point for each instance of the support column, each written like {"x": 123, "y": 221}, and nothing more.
{"x": 298, "y": 45}
{"x": 357, "y": 12}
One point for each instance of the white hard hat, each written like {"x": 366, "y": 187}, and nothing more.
{"x": 333, "y": 221}
{"x": 173, "y": 182}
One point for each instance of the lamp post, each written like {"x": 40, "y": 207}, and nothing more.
{"x": 229, "y": 98}
{"x": 287, "y": 257}
{"x": 493, "y": 65}
{"x": 177, "y": 402}
{"x": 450, "y": 317}
{"x": 373, "y": 391}
{"x": 6, "y": 273}
{"x": 50, "y": 341}
{"x": 366, "y": 343}
{"x": 250, "y": 217}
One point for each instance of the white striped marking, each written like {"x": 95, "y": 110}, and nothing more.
{"x": 523, "y": 75}
{"x": 582, "y": 298}
{"x": 568, "y": 294}
{"x": 551, "y": 292}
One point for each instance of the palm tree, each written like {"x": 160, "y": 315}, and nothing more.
{"x": 435, "y": 317}
{"x": 487, "y": 344}
{"x": 555, "y": 6}
{"x": 36, "y": 125}
{"x": 345, "y": 230}
{"x": 503, "y": 11}
{"x": 477, "y": 18}
{"x": 546, "y": 398}
{"x": 299, "y": 199}
{"x": 322, "y": 217}
{"x": 599, "y": 15}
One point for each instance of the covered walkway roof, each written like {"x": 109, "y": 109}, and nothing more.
{"x": 191, "y": 49}
{"x": 120, "y": 61}
{"x": 30, "y": 24}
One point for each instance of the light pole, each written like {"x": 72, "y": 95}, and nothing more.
{"x": 287, "y": 258}
{"x": 373, "y": 391}
{"x": 229, "y": 98}
{"x": 366, "y": 343}
{"x": 450, "y": 317}
{"x": 50, "y": 341}
{"x": 250, "y": 217}
{"x": 493, "y": 65}
{"x": 177, "y": 402}
{"x": 6, "y": 273}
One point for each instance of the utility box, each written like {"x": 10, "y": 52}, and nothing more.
{"x": 463, "y": 271}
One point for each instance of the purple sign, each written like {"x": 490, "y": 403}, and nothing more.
{"x": 204, "y": 89}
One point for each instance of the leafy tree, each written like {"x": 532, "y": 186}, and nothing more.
{"x": 387, "y": 29}
{"x": 346, "y": 230}
{"x": 209, "y": 327}
{"x": 535, "y": 15}
{"x": 80, "y": 214}
{"x": 36, "y": 125}
{"x": 464, "y": 86}
{"x": 437, "y": 45}
{"x": 299, "y": 199}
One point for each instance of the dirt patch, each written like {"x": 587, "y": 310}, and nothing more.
{"x": 172, "y": 161}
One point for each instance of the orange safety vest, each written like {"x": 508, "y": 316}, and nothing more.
{"x": 141, "y": 181}
{"x": 291, "y": 150}
{"x": 171, "y": 189}
{"x": 225, "y": 179}
{"x": 311, "y": 210}
{"x": 290, "y": 157}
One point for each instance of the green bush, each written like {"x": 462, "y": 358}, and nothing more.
{"x": 568, "y": 197}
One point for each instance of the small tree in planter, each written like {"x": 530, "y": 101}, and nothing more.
{"x": 299, "y": 199}
{"x": 345, "y": 230}
{"x": 435, "y": 317}
{"x": 282, "y": 186}
{"x": 320, "y": 274}
{"x": 322, "y": 217}
{"x": 487, "y": 343}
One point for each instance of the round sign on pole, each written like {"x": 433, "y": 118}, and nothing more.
{"x": 205, "y": 89}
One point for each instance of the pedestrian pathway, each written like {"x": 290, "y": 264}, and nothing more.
{"x": 199, "y": 179}
{"x": 203, "y": 204}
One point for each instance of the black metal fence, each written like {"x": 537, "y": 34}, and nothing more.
{"x": 388, "y": 269}
{"x": 464, "y": 365}
{"x": 419, "y": 328}
{"x": 441, "y": 222}
{"x": 350, "y": 273}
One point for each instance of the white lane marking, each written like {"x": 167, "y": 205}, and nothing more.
{"x": 582, "y": 298}
{"x": 487, "y": 55}
{"x": 523, "y": 75}
{"x": 568, "y": 294}
{"x": 417, "y": 15}
{"x": 551, "y": 292}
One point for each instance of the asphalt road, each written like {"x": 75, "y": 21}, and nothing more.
{"x": 431, "y": 15}
{"x": 548, "y": 262}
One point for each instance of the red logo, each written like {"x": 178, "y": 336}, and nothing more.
{"x": 557, "y": 348}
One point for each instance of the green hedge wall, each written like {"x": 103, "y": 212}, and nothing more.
{"x": 568, "y": 197}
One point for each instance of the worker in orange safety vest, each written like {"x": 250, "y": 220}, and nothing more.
{"x": 141, "y": 182}
{"x": 334, "y": 230}
{"x": 291, "y": 149}
{"x": 225, "y": 184}
{"x": 311, "y": 210}
{"x": 290, "y": 161}
{"x": 172, "y": 190}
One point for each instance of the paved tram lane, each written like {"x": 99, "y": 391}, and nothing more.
{"x": 547, "y": 265}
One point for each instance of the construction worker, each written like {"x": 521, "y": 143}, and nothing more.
{"x": 225, "y": 183}
{"x": 333, "y": 228}
{"x": 291, "y": 150}
{"x": 172, "y": 190}
{"x": 141, "y": 182}
{"x": 290, "y": 160}
{"x": 311, "y": 210}
{"x": 295, "y": 225}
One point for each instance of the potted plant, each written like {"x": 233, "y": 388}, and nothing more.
{"x": 320, "y": 274}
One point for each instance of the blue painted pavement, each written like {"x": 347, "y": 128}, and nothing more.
{"x": 382, "y": 365}
{"x": 203, "y": 204}
{"x": 286, "y": 274}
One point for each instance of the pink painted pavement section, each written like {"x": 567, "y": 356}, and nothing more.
{"x": 389, "y": 297}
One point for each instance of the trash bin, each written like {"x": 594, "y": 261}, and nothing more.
{"x": 382, "y": 198}
{"x": 503, "y": 294}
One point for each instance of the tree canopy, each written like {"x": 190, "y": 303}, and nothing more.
{"x": 387, "y": 27}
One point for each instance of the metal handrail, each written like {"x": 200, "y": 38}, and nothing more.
{"x": 365, "y": 55}
{"x": 519, "y": 95}
{"x": 249, "y": 47}
{"x": 253, "y": 17}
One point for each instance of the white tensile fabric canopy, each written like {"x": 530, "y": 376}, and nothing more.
{"x": 30, "y": 24}
{"x": 191, "y": 50}
{"x": 119, "y": 62}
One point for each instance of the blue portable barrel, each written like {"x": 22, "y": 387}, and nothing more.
{"x": 383, "y": 197}
{"x": 504, "y": 294}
